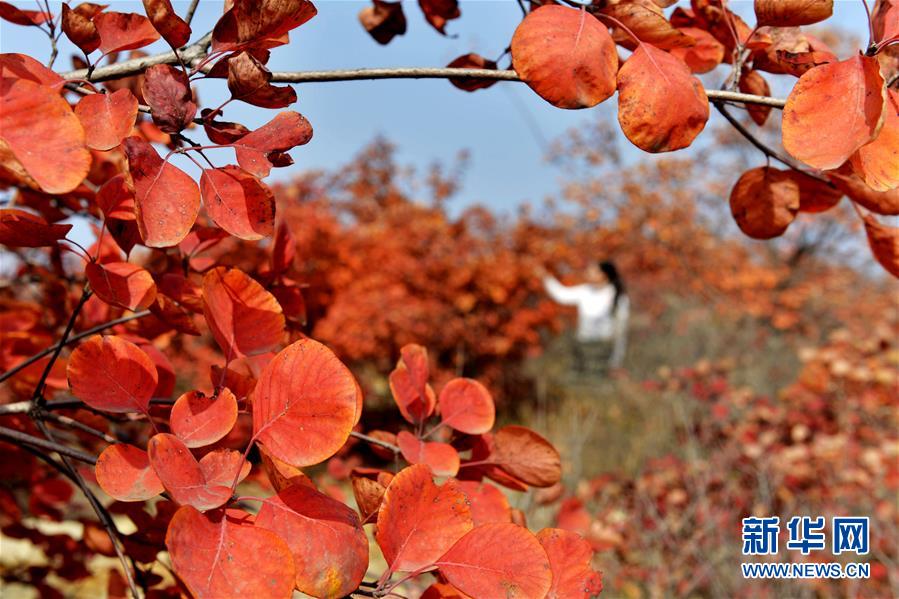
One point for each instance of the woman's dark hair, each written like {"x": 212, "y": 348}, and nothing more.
{"x": 608, "y": 269}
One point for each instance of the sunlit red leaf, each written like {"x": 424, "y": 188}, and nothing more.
{"x": 220, "y": 555}
{"x": 764, "y": 202}
{"x": 332, "y": 565}
{"x": 881, "y": 202}
{"x": 24, "y": 229}
{"x": 170, "y": 26}
{"x": 884, "y": 242}
{"x": 284, "y": 249}
{"x": 124, "y": 31}
{"x": 466, "y": 405}
{"x": 498, "y": 560}
{"x": 704, "y": 55}
{"x": 222, "y": 132}
{"x": 418, "y": 520}
{"x": 43, "y": 134}
{"x": 287, "y": 130}
{"x": 441, "y": 590}
{"x": 438, "y": 12}
{"x": 815, "y": 195}
{"x": 661, "y": 106}
{"x": 245, "y": 319}
{"x": 304, "y": 388}
{"x": 22, "y": 66}
{"x": 182, "y": 475}
{"x": 383, "y": 20}
{"x": 219, "y": 467}
{"x": 116, "y": 199}
{"x": 167, "y": 200}
{"x": 238, "y": 202}
{"x": 10, "y": 13}
{"x": 259, "y": 23}
{"x": 167, "y": 91}
{"x": 250, "y": 81}
{"x": 526, "y": 455}
{"x": 122, "y": 284}
{"x": 107, "y": 118}
{"x": 566, "y": 56}
{"x": 441, "y": 458}
{"x": 833, "y": 110}
{"x": 752, "y": 82}
{"x": 488, "y": 504}
{"x": 569, "y": 557}
{"x": 124, "y": 472}
{"x": 281, "y": 474}
{"x": 877, "y": 163}
{"x": 199, "y": 420}
{"x": 792, "y": 13}
{"x": 79, "y": 27}
{"x": 111, "y": 374}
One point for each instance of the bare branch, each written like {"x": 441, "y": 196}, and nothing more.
{"x": 374, "y": 441}
{"x": 189, "y": 16}
{"x": 19, "y": 438}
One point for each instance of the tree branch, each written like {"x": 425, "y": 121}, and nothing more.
{"x": 38, "y": 396}
{"x": 19, "y": 438}
{"x": 374, "y": 441}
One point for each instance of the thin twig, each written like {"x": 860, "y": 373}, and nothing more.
{"x": 38, "y": 396}
{"x": 57, "y": 346}
{"x": 68, "y": 403}
{"x": 72, "y": 423}
{"x": 19, "y": 438}
{"x": 189, "y": 16}
{"x": 374, "y": 441}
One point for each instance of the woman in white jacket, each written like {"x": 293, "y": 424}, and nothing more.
{"x": 603, "y": 309}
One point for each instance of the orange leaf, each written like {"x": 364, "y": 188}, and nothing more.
{"x": 183, "y": 477}
{"x": 877, "y": 163}
{"x": 647, "y": 22}
{"x": 304, "y": 388}
{"x": 526, "y": 455}
{"x": 488, "y": 504}
{"x": 281, "y": 474}
{"x": 124, "y": 472}
{"x": 368, "y": 494}
{"x": 24, "y": 229}
{"x": 245, "y": 319}
{"x": 43, "y": 134}
{"x": 418, "y": 520}
{"x": 661, "y": 106}
{"x": 751, "y": 82}
{"x": 466, "y": 405}
{"x": 124, "y": 31}
{"x": 815, "y": 195}
{"x": 122, "y": 284}
{"x": 833, "y": 110}
{"x": 792, "y": 13}
{"x": 238, "y": 202}
{"x": 566, "y": 56}
{"x": 167, "y": 200}
{"x": 220, "y": 555}
{"x": 199, "y": 420}
{"x": 706, "y": 53}
{"x": 881, "y": 202}
{"x": 570, "y": 557}
{"x": 498, "y": 560}
{"x": 328, "y": 543}
{"x": 409, "y": 384}
{"x": 107, "y": 118}
{"x": 441, "y": 458}
{"x": 111, "y": 374}
{"x": 764, "y": 202}
{"x": 22, "y": 66}
{"x": 884, "y": 242}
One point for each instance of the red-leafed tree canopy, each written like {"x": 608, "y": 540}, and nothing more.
{"x": 219, "y": 468}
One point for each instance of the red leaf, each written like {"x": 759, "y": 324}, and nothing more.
{"x": 877, "y": 163}
{"x": 10, "y": 13}
{"x": 383, "y": 20}
{"x": 111, "y": 374}
{"x": 122, "y": 284}
{"x": 245, "y": 319}
{"x": 815, "y": 195}
{"x": 706, "y": 53}
{"x": 116, "y": 199}
{"x": 199, "y": 420}
{"x": 23, "y": 229}
{"x": 566, "y": 56}
{"x": 238, "y": 202}
{"x": 662, "y": 107}
{"x": 466, "y": 405}
{"x": 172, "y": 27}
{"x": 764, "y": 202}
{"x": 409, "y": 384}
{"x": 645, "y": 20}
{"x": 792, "y": 13}
{"x": 441, "y": 458}
{"x": 526, "y": 455}
{"x": 107, "y": 118}
{"x": 472, "y": 61}
{"x": 183, "y": 477}
{"x": 220, "y": 555}
{"x": 22, "y": 66}
{"x": 881, "y": 202}
{"x": 284, "y": 249}
{"x": 884, "y": 242}
{"x": 281, "y": 474}
{"x": 498, "y": 560}
{"x": 124, "y": 472}
{"x": 167, "y": 200}
{"x": 79, "y": 27}
{"x": 368, "y": 494}
{"x": 285, "y": 131}
{"x": 167, "y": 91}
{"x": 259, "y": 23}
{"x": 418, "y": 520}
{"x": 328, "y": 543}
{"x": 488, "y": 504}
{"x": 833, "y": 110}
{"x": 438, "y": 12}
{"x": 570, "y": 557}
{"x": 304, "y": 388}
{"x": 43, "y": 134}
{"x": 124, "y": 31}
{"x": 752, "y": 82}
{"x": 250, "y": 81}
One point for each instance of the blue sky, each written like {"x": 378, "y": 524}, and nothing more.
{"x": 505, "y": 128}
